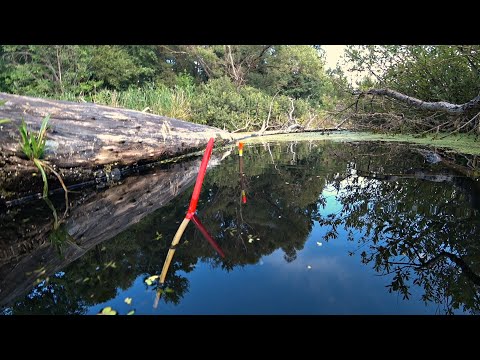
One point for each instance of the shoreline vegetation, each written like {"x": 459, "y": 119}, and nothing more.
{"x": 463, "y": 143}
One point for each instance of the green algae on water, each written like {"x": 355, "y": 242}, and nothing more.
{"x": 460, "y": 143}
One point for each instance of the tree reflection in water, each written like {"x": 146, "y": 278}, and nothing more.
{"x": 415, "y": 220}
{"x": 422, "y": 228}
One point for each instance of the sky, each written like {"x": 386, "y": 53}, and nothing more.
{"x": 333, "y": 54}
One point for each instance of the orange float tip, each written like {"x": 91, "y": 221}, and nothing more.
{"x": 240, "y": 145}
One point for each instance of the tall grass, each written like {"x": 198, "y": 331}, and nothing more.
{"x": 33, "y": 146}
{"x": 161, "y": 100}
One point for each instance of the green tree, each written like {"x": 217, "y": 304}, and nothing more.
{"x": 115, "y": 67}
{"x": 47, "y": 70}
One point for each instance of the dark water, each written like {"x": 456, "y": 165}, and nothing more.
{"x": 327, "y": 228}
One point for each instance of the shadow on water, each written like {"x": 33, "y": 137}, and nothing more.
{"x": 396, "y": 209}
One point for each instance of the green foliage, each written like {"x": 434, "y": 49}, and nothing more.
{"x": 114, "y": 67}
{"x": 435, "y": 73}
{"x": 220, "y": 103}
{"x": 33, "y": 145}
{"x": 428, "y": 72}
{"x": 4, "y": 121}
{"x": 157, "y": 99}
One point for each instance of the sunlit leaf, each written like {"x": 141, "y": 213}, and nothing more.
{"x": 309, "y": 267}
{"x": 110, "y": 264}
{"x": 149, "y": 281}
{"x": 107, "y": 311}
{"x": 128, "y": 300}
{"x": 131, "y": 312}
{"x": 169, "y": 290}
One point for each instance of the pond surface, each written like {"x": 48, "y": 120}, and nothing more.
{"x": 324, "y": 228}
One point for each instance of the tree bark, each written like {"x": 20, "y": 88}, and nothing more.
{"x": 454, "y": 109}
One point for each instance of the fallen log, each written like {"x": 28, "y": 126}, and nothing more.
{"x": 84, "y": 137}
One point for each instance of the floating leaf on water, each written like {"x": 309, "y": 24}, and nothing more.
{"x": 169, "y": 290}
{"x": 309, "y": 267}
{"x": 128, "y": 300}
{"x": 110, "y": 264}
{"x": 107, "y": 311}
{"x": 86, "y": 279}
{"x": 103, "y": 248}
{"x": 258, "y": 239}
{"x": 158, "y": 236}
{"x": 319, "y": 243}
{"x": 131, "y": 312}
{"x": 149, "y": 281}
{"x": 250, "y": 240}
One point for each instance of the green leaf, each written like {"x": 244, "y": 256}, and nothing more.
{"x": 169, "y": 290}
{"x": 128, "y": 300}
{"x": 5, "y": 121}
{"x": 39, "y": 165}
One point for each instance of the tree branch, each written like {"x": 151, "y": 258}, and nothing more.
{"x": 443, "y": 106}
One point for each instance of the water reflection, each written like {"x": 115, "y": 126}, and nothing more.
{"x": 310, "y": 205}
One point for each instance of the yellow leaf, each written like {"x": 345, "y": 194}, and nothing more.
{"x": 131, "y": 312}
{"x": 128, "y": 300}
{"x": 108, "y": 311}
{"x": 149, "y": 281}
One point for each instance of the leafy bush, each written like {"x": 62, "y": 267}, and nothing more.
{"x": 221, "y": 104}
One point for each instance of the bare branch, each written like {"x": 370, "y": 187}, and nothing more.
{"x": 425, "y": 105}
